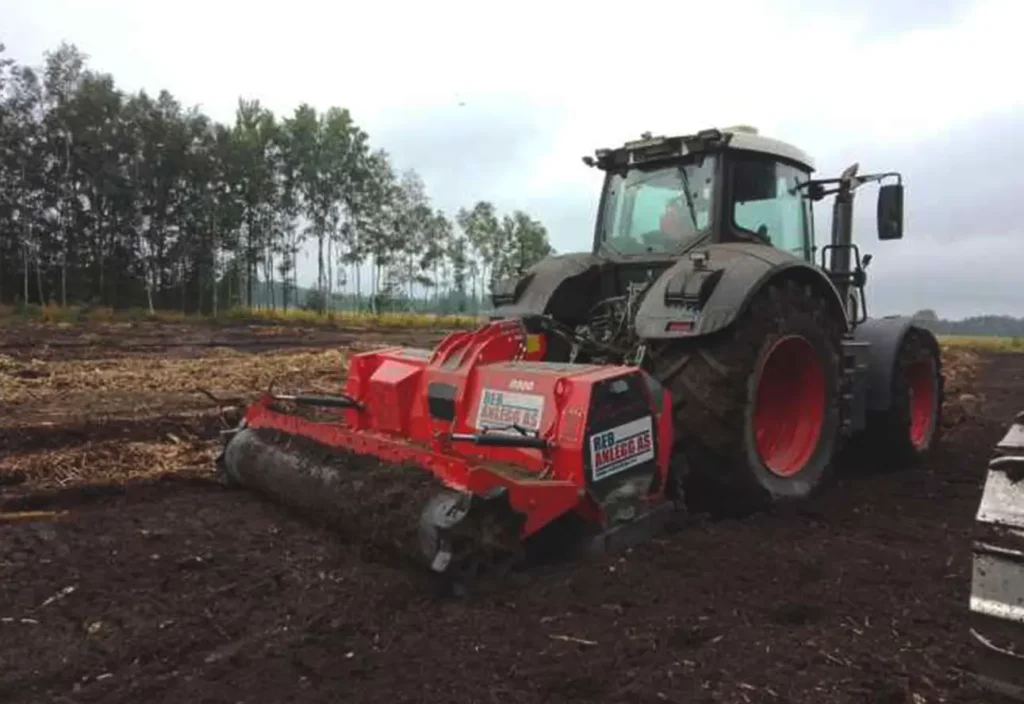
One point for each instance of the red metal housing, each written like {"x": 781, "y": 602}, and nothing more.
{"x": 605, "y": 427}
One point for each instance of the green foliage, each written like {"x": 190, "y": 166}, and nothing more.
{"x": 497, "y": 248}
{"x": 315, "y": 300}
{"x": 525, "y": 242}
{"x": 130, "y": 200}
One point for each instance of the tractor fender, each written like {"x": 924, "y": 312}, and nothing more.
{"x": 885, "y": 336}
{"x": 707, "y": 290}
{"x": 561, "y": 286}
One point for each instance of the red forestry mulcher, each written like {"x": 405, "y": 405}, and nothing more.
{"x": 698, "y": 340}
{"x": 512, "y": 443}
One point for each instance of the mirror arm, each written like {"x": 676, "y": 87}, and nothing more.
{"x": 866, "y": 178}
{"x": 816, "y": 187}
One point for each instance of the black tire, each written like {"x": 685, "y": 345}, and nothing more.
{"x": 714, "y": 383}
{"x": 916, "y": 388}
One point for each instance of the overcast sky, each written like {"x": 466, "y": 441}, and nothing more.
{"x": 499, "y": 101}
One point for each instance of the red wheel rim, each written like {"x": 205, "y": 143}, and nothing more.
{"x": 790, "y": 406}
{"x": 920, "y": 380}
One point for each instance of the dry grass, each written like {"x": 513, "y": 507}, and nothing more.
{"x": 221, "y": 371}
{"x": 1001, "y": 344}
{"x": 354, "y": 319}
{"x": 960, "y": 365}
{"x": 106, "y": 462}
{"x": 105, "y": 391}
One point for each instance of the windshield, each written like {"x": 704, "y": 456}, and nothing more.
{"x": 658, "y": 210}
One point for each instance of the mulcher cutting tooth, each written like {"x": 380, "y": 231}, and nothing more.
{"x": 466, "y": 536}
{"x": 438, "y": 523}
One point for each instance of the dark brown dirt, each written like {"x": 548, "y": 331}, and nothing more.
{"x": 114, "y": 340}
{"x": 181, "y": 591}
{"x": 27, "y": 438}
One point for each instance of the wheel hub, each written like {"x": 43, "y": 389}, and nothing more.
{"x": 920, "y": 380}
{"x": 790, "y": 406}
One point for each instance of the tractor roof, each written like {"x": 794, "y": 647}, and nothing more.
{"x": 741, "y": 137}
{"x": 748, "y": 138}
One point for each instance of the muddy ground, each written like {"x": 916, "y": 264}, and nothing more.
{"x": 126, "y": 575}
{"x": 111, "y": 340}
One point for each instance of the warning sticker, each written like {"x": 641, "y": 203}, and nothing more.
{"x": 500, "y": 409}
{"x": 616, "y": 450}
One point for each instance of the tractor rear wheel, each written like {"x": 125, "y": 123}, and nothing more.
{"x": 909, "y": 428}
{"x": 756, "y": 406}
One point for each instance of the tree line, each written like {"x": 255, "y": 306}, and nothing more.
{"x": 125, "y": 200}
{"x": 974, "y": 326}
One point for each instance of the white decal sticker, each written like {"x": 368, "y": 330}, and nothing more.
{"x": 521, "y": 385}
{"x": 500, "y": 409}
{"x": 616, "y": 450}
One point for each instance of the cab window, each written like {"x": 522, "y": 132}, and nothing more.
{"x": 768, "y": 202}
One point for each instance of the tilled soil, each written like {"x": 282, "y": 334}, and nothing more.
{"x": 114, "y": 340}
{"x": 178, "y": 590}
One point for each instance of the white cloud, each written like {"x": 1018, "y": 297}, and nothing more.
{"x": 976, "y": 277}
{"x": 544, "y": 83}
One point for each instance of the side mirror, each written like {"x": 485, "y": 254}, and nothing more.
{"x": 890, "y": 212}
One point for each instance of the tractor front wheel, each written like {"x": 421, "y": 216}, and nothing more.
{"x": 756, "y": 406}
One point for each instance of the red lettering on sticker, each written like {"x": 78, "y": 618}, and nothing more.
{"x": 624, "y": 449}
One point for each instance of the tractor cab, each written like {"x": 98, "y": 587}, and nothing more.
{"x": 662, "y": 196}
{"x": 665, "y": 196}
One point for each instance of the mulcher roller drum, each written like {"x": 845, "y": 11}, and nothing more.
{"x": 375, "y": 502}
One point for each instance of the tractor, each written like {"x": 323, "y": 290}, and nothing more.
{"x": 706, "y": 272}
{"x": 706, "y": 339}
